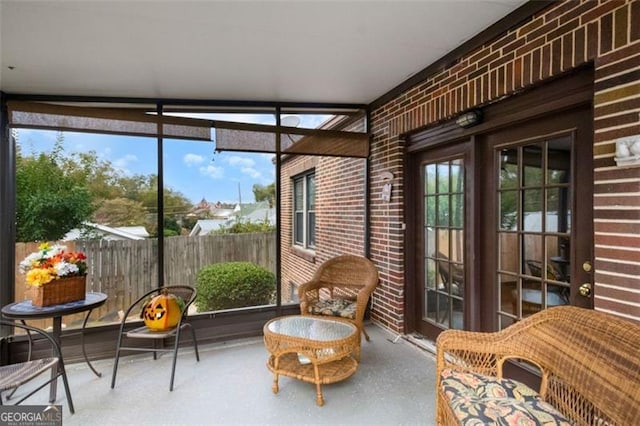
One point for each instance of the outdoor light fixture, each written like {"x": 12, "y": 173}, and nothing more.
{"x": 469, "y": 118}
{"x": 628, "y": 151}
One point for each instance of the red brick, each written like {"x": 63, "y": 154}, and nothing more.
{"x": 527, "y": 28}
{"x": 579, "y": 40}
{"x": 618, "y": 267}
{"x": 592, "y": 40}
{"x": 618, "y": 120}
{"x": 635, "y": 18}
{"x": 618, "y": 240}
{"x": 567, "y": 51}
{"x": 606, "y": 33}
{"x": 620, "y": 27}
{"x": 606, "y": 6}
{"x": 546, "y": 61}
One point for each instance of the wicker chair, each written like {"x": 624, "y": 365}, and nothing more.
{"x": 340, "y": 287}
{"x": 588, "y": 360}
{"x": 15, "y": 375}
{"x": 143, "y": 334}
{"x": 454, "y": 280}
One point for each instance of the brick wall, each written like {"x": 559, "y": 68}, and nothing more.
{"x": 562, "y": 37}
{"x": 340, "y": 213}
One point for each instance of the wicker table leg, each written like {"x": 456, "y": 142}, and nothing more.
{"x": 319, "y": 398}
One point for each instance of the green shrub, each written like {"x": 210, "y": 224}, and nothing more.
{"x": 234, "y": 285}
{"x": 243, "y": 227}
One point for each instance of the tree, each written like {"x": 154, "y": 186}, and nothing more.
{"x": 265, "y": 193}
{"x": 49, "y": 201}
{"x": 120, "y": 212}
{"x": 171, "y": 227}
{"x": 244, "y": 227}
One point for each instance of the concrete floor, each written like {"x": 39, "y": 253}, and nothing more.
{"x": 231, "y": 385}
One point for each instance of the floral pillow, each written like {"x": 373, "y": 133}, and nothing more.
{"x": 334, "y": 307}
{"x": 477, "y": 399}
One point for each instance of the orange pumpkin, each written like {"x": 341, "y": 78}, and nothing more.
{"x": 162, "y": 312}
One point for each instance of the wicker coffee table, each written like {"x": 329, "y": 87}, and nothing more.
{"x": 315, "y": 350}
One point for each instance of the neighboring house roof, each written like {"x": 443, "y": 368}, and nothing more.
{"x": 218, "y": 209}
{"x": 204, "y": 226}
{"x": 108, "y": 232}
{"x": 260, "y": 215}
{"x": 255, "y": 212}
{"x": 140, "y": 231}
{"x": 221, "y": 213}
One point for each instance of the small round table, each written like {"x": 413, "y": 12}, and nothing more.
{"x": 24, "y": 310}
{"x": 311, "y": 349}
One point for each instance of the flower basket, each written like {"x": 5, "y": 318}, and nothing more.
{"x": 62, "y": 290}
{"x": 56, "y": 275}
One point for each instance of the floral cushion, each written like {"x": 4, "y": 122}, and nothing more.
{"x": 477, "y": 400}
{"x": 334, "y": 307}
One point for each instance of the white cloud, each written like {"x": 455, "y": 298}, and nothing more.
{"x": 266, "y": 158}
{"x": 238, "y": 161}
{"x": 123, "y": 162}
{"x": 251, "y": 172}
{"x": 212, "y": 171}
{"x": 192, "y": 159}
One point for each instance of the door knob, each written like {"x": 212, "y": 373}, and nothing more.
{"x": 585, "y": 289}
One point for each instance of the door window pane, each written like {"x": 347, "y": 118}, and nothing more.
{"x": 443, "y": 210}
{"x": 457, "y": 208}
{"x": 534, "y": 206}
{"x": 444, "y": 243}
{"x": 443, "y": 177}
{"x": 508, "y": 252}
{"x": 430, "y": 179}
{"x": 508, "y": 210}
{"x": 532, "y": 202}
{"x": 532, "y": 159}
{"x": 508, "y": 169}
{"x": 430, "y": 208}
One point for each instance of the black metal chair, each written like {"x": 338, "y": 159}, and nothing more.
{"x": 15, "y": 375}
{"x": 144, "y": 334}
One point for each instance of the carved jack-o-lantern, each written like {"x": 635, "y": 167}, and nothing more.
{"x": 162, "y": 312}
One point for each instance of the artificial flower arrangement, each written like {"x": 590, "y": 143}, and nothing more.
{"x": 52, "y": 262}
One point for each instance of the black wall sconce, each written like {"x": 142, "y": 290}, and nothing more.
{"x": 469, "y": 118}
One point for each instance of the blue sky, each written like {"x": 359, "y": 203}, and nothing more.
{"x": 190, "y": 167}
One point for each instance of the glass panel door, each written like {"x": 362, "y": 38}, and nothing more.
{"x": 443, "y": 230}
{"x": 534, "y": 227}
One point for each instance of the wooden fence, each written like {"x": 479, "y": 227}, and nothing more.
{"x": 124, "y": 269}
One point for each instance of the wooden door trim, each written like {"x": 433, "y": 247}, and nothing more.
{"x": 560, "y": 94}
{"x": 573, "y": 91}
{"x": 414, "y": 212}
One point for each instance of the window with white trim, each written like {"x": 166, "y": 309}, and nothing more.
{"x": 304, "y": 210}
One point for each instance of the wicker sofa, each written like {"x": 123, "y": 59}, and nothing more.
{"x": 589, "y": 363}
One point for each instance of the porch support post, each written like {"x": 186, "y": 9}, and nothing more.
{"x": 278, "y": 212}
{"x": 160, "y": 196}
{"x": 367, "y": 192}
{"x": 7, "y": 212}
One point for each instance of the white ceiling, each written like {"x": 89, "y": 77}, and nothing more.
{"x": 349, "y": 51}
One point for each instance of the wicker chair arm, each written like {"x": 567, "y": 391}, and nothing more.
{"x": 314, "y": 284}
{"x": 307, "y": 293}
{"x": 467, "y": 340}
{"x": 469, "y": 351}
{"x": 545, "y": 373}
